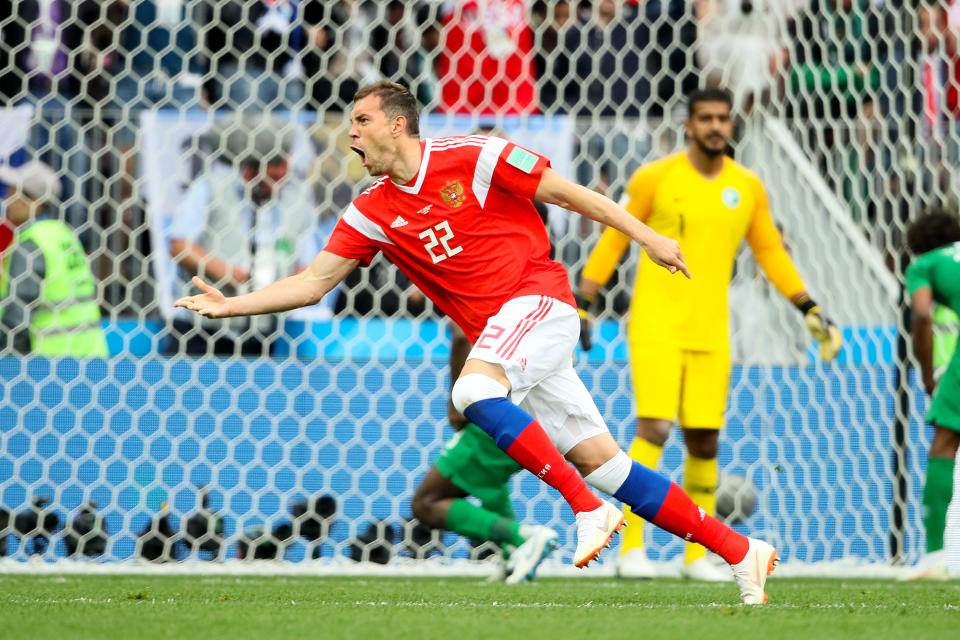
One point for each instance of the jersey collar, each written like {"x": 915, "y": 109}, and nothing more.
{"x": 414, "y": 188}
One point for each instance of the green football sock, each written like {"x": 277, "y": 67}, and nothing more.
{"x": 936, "y": 498}
{"x": 479, "y": 524}
{"x": 500, "y": 504}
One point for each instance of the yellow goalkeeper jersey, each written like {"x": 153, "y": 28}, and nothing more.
{"x": 708, "y": 218}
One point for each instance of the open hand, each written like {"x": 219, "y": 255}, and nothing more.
{"x": 210, "y": 303}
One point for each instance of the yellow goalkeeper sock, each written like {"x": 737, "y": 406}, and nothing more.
{"x": 700, "y": 481}
{"x": 647, "y": 454}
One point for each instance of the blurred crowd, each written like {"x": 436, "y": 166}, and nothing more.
{"x": 871, "y": 87}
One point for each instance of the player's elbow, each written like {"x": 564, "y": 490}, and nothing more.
{"x": 921, "y": 319}
{"x": 177, "y": 247}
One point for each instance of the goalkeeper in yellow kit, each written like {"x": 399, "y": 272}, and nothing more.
{"x": 678, "y": 329}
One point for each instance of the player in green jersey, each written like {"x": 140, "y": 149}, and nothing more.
{"x": 471, "y": 464}
{"x": 934, "y": 277}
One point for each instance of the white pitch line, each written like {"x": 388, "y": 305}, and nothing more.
{"x": 496, "y": 604}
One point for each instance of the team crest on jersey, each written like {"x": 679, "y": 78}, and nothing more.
{"x": 730, "y": 197}
{"x": 452, "y": 194}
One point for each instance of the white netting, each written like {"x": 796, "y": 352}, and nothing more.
{"x": 167, "y": 121}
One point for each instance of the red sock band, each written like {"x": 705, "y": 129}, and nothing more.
{"x": 537, "y": 454}
{"x": 682, "y": 517}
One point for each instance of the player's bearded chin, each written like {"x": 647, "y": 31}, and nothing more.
{"x": 704, "y": 144}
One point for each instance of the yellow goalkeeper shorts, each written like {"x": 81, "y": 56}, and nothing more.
{"x": 677, "y": 384}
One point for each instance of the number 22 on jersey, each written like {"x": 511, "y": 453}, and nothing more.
{"x": 439, "y": 234}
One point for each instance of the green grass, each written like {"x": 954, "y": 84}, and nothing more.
{"x": 238, "y": 608}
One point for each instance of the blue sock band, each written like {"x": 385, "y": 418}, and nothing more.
{"x": 501, "y": 419}
{"x": 644, "y": 490}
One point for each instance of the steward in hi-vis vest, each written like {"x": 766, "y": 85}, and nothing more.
{"x": 47, "y": 293}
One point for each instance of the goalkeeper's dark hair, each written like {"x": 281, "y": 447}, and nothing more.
{"x": 708, "y": 94}
{"x": 395, "y": 100}
{"x": 934, "y": 229}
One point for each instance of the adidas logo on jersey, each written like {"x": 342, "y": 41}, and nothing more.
{"x": 399, "y": 222}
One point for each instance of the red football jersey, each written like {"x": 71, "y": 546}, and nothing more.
{"x": 464, "y": 229}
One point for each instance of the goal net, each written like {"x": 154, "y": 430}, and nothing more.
{"x": 182, "y": 125}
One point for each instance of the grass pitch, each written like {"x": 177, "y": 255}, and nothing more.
{"x": 235, "y": 608}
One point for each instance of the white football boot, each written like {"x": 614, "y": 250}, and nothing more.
{"x": 703, "y": 570}
{"x": 932, "y": 566}
{"x": 595, "y": 530}
{"x": 751, "y": 572}
{"x": 634, "y": 565}
{"x": 526, "y": 558}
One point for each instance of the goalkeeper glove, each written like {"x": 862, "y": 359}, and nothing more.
{"x": 586, "y": 320}
{"x": 821, "y": 328}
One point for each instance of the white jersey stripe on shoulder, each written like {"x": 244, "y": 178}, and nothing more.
{"x": 459, "y": 142}
{"x": 461, "y": 145}
{"x": 355, "y": 218}
{"x": 486, "y": 163}
{"x": 439, "y": 142}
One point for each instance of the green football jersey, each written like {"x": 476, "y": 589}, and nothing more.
{"x": 940, "y": 270}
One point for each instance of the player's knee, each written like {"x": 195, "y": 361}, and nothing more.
{"x": 474, "y": 387}
{"x": 945, "y": 442}
{"x": 424, "y": 507}
{"x": 654, "y": 430}
{"x": 611, "y": 475}
{"x": 702, "y": 443}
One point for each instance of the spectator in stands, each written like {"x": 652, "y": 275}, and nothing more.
{"x": 832, "y": 71}
{"x": 251, "y": 48}
{"x": 604, "y": 76}
{"x": 48, "y": 296}
{"x": 551, "y": 21}
{"x": 485, "y": 64}
{"x": 244, "y": 221}
{"x": 666, "y": 38}
{"x": 36, "y": 43}
{"x": 597, "y": 71}
{"x": 741, "y": 47}
{"x": 831, "y": 83}
{"x": 35, "y": 49}
{"x": 165, "y": 71}
{"x": 939, "y": 72}
{"x": 330, "y": 77}
{"x": 94, "y": 45}
{"x": 392, "y": 42}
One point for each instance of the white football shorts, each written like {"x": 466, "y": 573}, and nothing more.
{"x": 533, "y": 338}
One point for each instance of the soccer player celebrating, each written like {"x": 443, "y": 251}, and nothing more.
{"x": 471, "y": 464}
{"x": 455, "y": 215}
{"x": 934, "y": 275}
{"x": 679, "y": 347}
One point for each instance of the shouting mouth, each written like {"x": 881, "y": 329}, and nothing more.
{"x": 362, "y": 154}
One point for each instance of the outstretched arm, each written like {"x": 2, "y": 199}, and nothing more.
{"x": 555, "y": 189}
{"x": 300, "y": 290}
